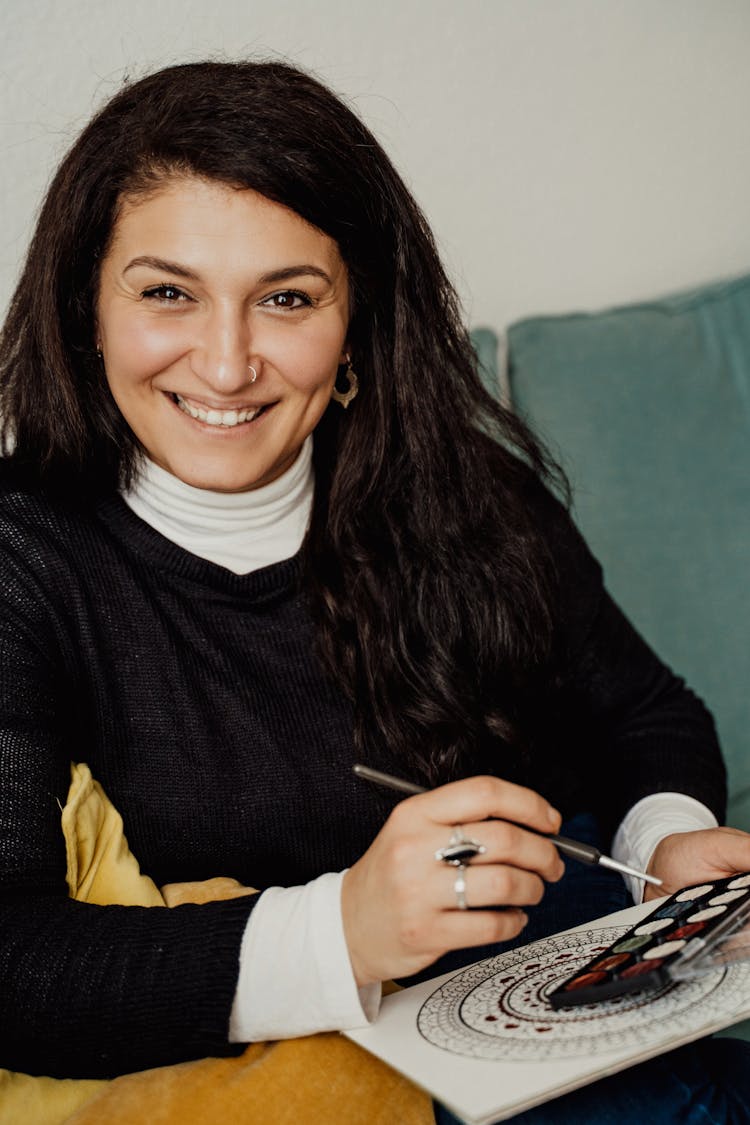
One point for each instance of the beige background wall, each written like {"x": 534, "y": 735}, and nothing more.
{"x": 569, "y": 153}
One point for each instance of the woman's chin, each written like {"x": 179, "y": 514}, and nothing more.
{"x": 221, "y": 475}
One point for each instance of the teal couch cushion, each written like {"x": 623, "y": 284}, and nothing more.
{"x": 648, "y": 407}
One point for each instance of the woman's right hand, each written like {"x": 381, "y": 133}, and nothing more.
{"x": 399, "y": 905}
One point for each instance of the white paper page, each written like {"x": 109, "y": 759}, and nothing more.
{"x": 485, "y": 1042}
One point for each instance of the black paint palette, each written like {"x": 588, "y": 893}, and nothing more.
{"x": 695, "y": 930}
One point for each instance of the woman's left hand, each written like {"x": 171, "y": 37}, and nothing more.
{"x": 686, "y": 858}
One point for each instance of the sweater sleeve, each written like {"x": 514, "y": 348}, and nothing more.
{"x": 86, "y": 991}
{"x": 642, "y": 729}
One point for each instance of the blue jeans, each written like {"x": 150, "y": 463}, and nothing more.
{"x": 705, "y": 1083}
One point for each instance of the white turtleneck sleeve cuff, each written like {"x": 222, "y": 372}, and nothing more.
{"x": 295, "y": 974}
{"x": 648, "y": 822}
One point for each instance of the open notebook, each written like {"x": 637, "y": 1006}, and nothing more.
{"x": 487, "y": 1042}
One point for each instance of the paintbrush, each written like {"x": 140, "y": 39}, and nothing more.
{"x": 584, "y": 853}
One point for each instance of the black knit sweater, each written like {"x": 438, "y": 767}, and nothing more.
{"x": 194, "y": 696}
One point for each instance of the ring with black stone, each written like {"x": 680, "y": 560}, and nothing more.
{"x": 459, "y": 849}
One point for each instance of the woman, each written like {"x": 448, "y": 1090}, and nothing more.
{"x": 260, "y": 521}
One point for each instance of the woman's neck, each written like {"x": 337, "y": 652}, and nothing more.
{"x": 241, "y": 531}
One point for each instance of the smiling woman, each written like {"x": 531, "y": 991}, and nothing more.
{"x": 219, "y": 372}
{"x": 220, "y": 588}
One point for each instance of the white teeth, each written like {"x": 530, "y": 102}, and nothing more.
{"x": 217, "y": 417}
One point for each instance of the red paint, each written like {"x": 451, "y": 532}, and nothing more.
{"x": 584, "y": 981}
{"x": 640, "y": 969}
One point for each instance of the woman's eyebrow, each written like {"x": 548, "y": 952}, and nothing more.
{"x": 161, "y": 264}
{"x": 288, "y": 272}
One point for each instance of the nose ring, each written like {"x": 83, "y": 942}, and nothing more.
{"x": 255, "y": 373}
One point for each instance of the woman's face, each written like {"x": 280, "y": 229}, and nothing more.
{"x": 202, "y": 281}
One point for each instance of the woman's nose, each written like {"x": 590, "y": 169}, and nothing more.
{"x": 221, "y": 356}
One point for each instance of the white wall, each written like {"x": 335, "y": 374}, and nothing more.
{"x": 569, "y": 153}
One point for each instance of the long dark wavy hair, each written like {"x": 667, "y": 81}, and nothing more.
{"x": 431, "y": 585}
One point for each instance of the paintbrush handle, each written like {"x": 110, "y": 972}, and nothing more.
{"x": 388, "y": 780}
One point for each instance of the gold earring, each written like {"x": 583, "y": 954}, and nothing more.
{"x": 345, "y": 397}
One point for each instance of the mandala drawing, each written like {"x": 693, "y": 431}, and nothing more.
{"x": 497, "y": 1009}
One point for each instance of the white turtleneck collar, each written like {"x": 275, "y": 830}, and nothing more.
{"x": 241, "y": 531}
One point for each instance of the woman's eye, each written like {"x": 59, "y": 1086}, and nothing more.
{"x": 167, "y": 294}
{"x": 289, "y": 299}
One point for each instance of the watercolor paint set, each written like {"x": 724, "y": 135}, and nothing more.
{"x": 695, "y": 930}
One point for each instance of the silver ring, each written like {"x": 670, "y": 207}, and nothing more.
{"x": 459, "y": 849}
{"x": 459, "y": 886}
{"x": 255, "y": 373}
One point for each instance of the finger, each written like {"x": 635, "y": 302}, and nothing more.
{"x": 504, "y": 842}
{"x": 461, "y": 929}
{"x": 490, "y": 886}
{"x": 477, "y": 798}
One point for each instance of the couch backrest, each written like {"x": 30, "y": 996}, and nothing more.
{"x": 648, "y": 407}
